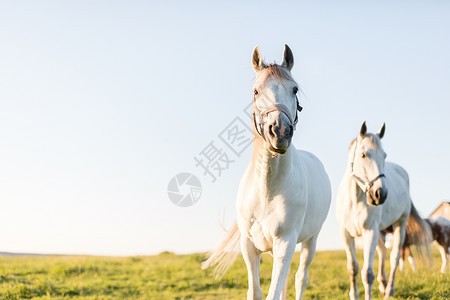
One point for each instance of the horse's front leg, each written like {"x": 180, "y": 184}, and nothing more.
{"x": 399, "y": 237}
{"x": 306, "y": 257}
{"x": 352, "y": 263}
{"x": 283, "y": 250}
{"x": 370, "y": 238}
{"x": 382, "y": 253}
{"x": 252, "y": 258}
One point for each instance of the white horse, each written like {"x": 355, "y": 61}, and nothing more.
{"x": 284, "y": 195}
{"x": 373, "y": 195}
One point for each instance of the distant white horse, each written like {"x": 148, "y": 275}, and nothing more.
{"x": 284, "y": 195}
{"x": 373, "y": 195}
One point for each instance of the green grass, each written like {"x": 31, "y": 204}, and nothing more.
{"x": 170, "y": 276}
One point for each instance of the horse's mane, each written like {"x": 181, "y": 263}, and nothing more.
{"x": 372, "y": 138}
{"x": 274, "y": 71}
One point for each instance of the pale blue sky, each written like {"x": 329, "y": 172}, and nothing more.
{"x": 102, "y": 102}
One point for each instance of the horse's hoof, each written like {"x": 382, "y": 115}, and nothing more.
{"x": 382, "y": 289}
{"x": 255, "y": 295}
{"x": 389, "y": 293}
{"x": 353, "y": 296}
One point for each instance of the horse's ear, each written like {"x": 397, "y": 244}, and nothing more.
{"x": 288, "y": 58}
{"x": 257, "y": 62}
{"x": 363, "y": 130}
{"x": 381, "y": 131}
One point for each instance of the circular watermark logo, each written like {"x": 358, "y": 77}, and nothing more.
{"x": 184, "y": 189}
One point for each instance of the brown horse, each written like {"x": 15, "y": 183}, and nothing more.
{"x": 405, "y": 249}
{"x": 440, "y": 227}
{"x": 440, "y": 230}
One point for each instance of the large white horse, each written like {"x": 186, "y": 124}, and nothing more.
{"x": 284, "y": 195}
{"x": 373, "y": 195}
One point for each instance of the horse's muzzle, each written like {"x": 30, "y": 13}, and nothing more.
{"x": 378, "y": 196}
{"x": 279, "y": 135}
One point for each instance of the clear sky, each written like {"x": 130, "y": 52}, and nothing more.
{"x": 103, "y": 102}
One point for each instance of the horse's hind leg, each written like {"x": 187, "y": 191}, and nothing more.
{"x": 399, "y": 237}
{"x": 412, "y": 262}
{"x": 352, "y": 263}
{"x": 382, "y": 253}
{"x": 401, "y": 262}
{"x": 444, "y": 255}
{"x": 251, "y": 257}
{"x": 306, "y": 256}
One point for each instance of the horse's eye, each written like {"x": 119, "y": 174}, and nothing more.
{"x": 363, "y": 155}
{"x": 255, "y": 92}
{"x": 295, "y": 90}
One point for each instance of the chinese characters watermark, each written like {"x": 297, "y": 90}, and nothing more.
{"x": 213, "y": 160}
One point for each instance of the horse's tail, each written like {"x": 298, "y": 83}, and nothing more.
{"x": 225, "y": 254}
{"x": 419, "y": 234}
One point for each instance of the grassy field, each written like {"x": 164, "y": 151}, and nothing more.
{"x": 169, "y": 276}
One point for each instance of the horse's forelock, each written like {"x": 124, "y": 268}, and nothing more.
{"x": 274, "y": 71}
{"x": 373, "y": 139}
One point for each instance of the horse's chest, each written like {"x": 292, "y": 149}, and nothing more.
{"x": 259, "y": 234}
{"x": 359, "y": 218}
{"x": 263, "y": 219}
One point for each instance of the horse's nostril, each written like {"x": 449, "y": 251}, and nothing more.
{"x": 291, "y": 130}
{"x": 378, "y": 194}
{"x": 271, "y": 130}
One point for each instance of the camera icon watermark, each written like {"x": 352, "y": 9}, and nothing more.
{"x": 184, "y": 189}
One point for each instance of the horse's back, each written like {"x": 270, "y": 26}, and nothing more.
{"x": 440, "y": 227}
{"x": 319, "y": 192}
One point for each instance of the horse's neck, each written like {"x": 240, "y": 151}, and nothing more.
{"x": 269, "y": 170}
{"x": 354, "y": 190}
